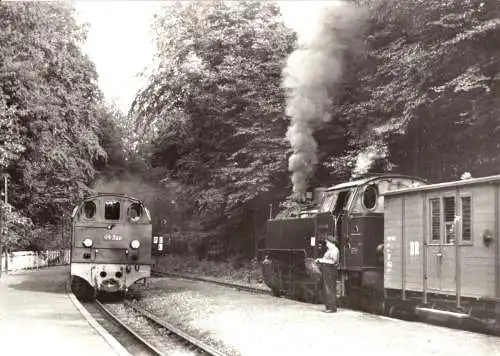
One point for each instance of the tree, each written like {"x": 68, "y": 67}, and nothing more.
{"x": 50, "y": 110}
{"x": 425, "y": 92}
{"x": 14, "y": 228}
{"x": 213, "y": 111}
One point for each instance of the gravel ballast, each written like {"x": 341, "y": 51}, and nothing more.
{"x": 242, "y": 323}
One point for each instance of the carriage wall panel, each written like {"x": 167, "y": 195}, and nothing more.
{"x": 413, "y": 238}
{"x": 392, "y": 242}
{"x": 477, "y": 259}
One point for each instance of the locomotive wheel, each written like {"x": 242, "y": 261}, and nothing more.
{"x": 82, "y": 290}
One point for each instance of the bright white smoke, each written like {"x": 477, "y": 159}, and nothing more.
{"x": 367, "y": 157}
{"x": 324, "y": 30}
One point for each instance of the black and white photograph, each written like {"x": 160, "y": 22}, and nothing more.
{"x": 250, "y": 178}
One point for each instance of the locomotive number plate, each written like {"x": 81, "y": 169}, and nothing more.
{"x": 112, "y": 237}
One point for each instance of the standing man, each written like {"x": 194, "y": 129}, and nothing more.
{"x": 329, "y": 265}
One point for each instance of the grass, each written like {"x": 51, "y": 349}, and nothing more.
{"x": 247, "y": 272}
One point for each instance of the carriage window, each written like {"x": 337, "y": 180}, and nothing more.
{"x": 466, "y": 219}
{"x": 89, "y": 209}
{"x": 436, "y": 219}
{"x": 449, "y": 219}
{"x": 112, "y": 210}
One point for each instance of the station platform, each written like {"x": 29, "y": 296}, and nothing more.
{"x": 39, "y": 317}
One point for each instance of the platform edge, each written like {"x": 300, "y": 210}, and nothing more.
{"x": 110, "y": 340}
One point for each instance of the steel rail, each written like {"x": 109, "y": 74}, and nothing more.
{"x": 134, "y": 334}
{"x": 224, "y": 284}
{"x": 198, "y": 344}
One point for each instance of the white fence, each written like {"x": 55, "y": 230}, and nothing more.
{"x": 34, "y": 260}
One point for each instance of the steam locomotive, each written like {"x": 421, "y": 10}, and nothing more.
{"x": 110, "y": 245}
{"x": 407, "y": 248}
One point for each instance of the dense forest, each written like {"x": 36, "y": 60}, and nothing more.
{"x": 245, "y": 109}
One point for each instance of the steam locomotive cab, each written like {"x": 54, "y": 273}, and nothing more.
{"x": 358, "y": 212}
{"x": 353, "y": 212}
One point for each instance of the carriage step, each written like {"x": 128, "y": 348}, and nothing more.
{"x": 438, "y": 312}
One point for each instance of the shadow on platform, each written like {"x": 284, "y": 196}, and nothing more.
{"x": 35, "y": 285}
{"x": 48, "y": 280}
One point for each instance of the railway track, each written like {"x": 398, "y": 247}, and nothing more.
{"x": 143, "y": 333}
{"x": 225, "y": 284}
{"x": 127, "y": 338}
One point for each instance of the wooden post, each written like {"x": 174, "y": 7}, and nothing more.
{"x": 403, "y": 249}
{"x": 458, "y": 240}
{"x": 497, "y": 250}
{"x": 62, "y": 230}
{"x": 1, "y": 239}
{"x": 3, "y": 249}
{"x": 255, "y": 235}
{"x": 425, "y": 239}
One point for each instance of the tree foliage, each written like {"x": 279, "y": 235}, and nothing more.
{"x": 14, "y": 227}
{"x": 214, "y": 109}
{"x": 428, "y": 86}
{"x": 204, "y": 143}
{"x": 54, "y": 129}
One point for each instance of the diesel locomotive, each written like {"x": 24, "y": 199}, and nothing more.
{"x": 110, "y": 245}
{"x": 407, "y": 248}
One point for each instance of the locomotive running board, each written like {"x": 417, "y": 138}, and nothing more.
{"x": 421, "y": 310}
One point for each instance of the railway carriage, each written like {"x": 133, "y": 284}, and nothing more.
{"x": 442, "y": 252}
{"x": 110, "y": 244}
{"x": 407, "y": 248}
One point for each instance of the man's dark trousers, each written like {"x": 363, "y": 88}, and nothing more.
{"x": 329, "y": 274}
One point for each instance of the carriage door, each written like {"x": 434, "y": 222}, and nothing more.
{"x": 441, "y": 250}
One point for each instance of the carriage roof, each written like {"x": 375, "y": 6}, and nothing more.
{"x": 453, "y": 184}
{"x": 367, "y": 180}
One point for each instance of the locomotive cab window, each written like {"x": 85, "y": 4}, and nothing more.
{"x": 134, "y": 212}
{"x": 328, "y": 201}
{"x": 89, "y": 209}
{"x": 342, "y": 201}
{"x": 370, "y": 196}
{"x": 112, "y": 210}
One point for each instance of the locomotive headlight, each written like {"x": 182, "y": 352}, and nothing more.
{"x": 87, "y": 243}
{"x": 135, "y": 244}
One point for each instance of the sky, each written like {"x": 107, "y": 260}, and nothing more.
{"x": 121, "y": 44}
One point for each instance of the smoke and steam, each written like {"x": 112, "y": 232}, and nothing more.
{"x": 128, "y": 185}
{"x": 367, "y": 157}
{"x": 324, "y": 31}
